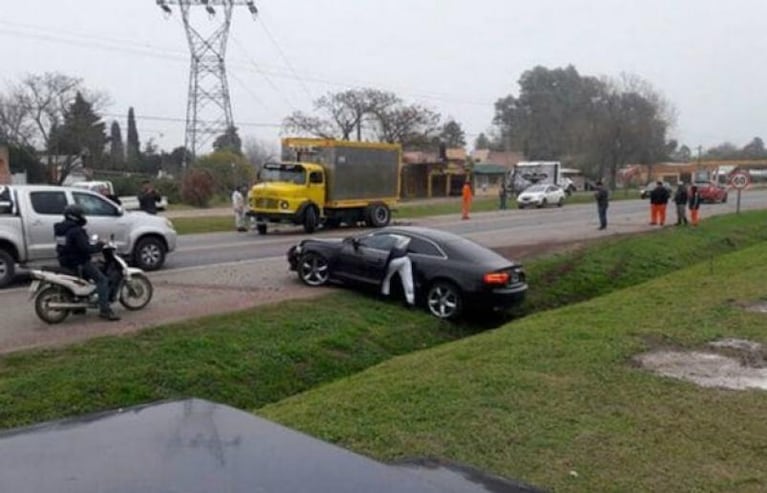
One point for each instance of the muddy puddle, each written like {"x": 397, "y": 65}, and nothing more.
{"x": 730, "y": 363}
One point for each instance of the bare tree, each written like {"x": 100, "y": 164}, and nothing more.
{"x": 259, "y": 152}
{"x": 36, "y": 106}
{"x": 411, "y": 126}
{"x": 302, "y": 124}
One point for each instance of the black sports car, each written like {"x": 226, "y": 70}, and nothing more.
{"x": 450, "y": 272}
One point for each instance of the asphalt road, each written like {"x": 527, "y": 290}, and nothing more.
{"x": 220, "y": 272}
{"x": 492, "y": 229}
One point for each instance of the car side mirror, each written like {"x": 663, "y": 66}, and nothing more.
{"x": 355, "y": 243}
{"x": 120, "y": 210}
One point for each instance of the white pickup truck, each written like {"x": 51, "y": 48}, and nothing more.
{"x": 128, "y": 202}
{"x": 28, "y": 213}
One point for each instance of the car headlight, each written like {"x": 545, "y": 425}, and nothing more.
{"x": 284, "y": 204}
{"x": 169, "y": 223}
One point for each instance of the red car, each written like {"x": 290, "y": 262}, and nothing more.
{"x": 711, "y": 192}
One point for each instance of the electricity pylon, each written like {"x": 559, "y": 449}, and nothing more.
{"x": 208, "y": 106}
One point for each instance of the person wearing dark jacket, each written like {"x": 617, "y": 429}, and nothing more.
{"x": 148, "y": 198}
{"x": 680, "y": 199}
{"x": 658, "y": 201}
{"x": 694, "y": 201}
{"x": 74, "y": 252}
{"x": 602, "y": 198}
{"x": 399, "y": 263}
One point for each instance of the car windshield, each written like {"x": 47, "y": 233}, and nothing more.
{"x": 536, "y": 189}
{"x": 289, "y": 174}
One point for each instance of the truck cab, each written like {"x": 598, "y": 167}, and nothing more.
{"x": 285, "y": 191}
{"x": 327, "y": 182}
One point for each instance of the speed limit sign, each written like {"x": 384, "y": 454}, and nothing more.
{"x": 740, "y": 180}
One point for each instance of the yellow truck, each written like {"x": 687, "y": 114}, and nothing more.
{"x": 327, "y": 182}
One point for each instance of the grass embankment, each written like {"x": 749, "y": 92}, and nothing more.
{"x": 555, "y": 400}
{"x": 214, "y": 224}
{"x": 260, "y": 356}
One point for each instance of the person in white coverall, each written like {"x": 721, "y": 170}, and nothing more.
{"x": 399, "y": 263}
{"x": 238, "y": 205}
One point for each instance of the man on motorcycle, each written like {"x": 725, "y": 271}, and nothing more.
{"x": 74, "y": 252}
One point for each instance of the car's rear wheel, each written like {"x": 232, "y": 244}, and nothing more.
{"x": 313, "y": 269}
{"x": 444, "y": 300}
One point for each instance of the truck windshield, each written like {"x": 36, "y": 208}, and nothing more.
{"x": 289, "y": 175}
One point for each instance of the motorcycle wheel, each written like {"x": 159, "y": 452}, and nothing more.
{"x": 136, "y": 293}
{"x": 48, "y": 295}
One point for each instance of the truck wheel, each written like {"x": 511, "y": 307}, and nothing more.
{"x": 378, "y": 215}
{"x": 7, "y": 266}
{"x": 149, "y": 254}
{"x": 310, "y": 219}
{"x": 261, "y": 228}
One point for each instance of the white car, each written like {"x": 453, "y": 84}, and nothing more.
{"x": 541, "y": 195}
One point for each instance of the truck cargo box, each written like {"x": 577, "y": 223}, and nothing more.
{"x": 355, "y": 170}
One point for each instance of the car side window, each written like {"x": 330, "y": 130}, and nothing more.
{"x": 48, "y": 202}
{"x": 379, "y": 241}
{"x": 422, "y": 247}
{"x": 93, "y": 205}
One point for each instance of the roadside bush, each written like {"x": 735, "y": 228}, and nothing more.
{"x": 229, "y": 170}
{"x": 169, "y": 188}
{"x": 197, "y": 187}
{"x": 124, "y": 185}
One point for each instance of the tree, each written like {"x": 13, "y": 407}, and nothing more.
{"x": 452, "y": 135}
{"x": 229, "y": 141}
{"x": 81, "y": 134}
{"x": 197, "y": 187}
{"x": 35, "y": 107}
{"x": 725, "y": 150}
{"x": 365, "y": 113}
{"x": 133, "y": 146}
{"x": 23, "y": 159}
{"x": 116, "y": 147}
{"x": 482, "y": 142}
{"x": 413, "y": 126}
{"x": 229, "y": 170}
{"x": 754, "y": 149}
{"x": 259, "y": 152}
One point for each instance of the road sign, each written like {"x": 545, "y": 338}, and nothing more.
{"x": 740, "y": 180}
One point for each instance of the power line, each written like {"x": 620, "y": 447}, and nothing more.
{"x": 263, "y": 74}
{"x": 285, "y": 58}
{"x": 161, "y": 52}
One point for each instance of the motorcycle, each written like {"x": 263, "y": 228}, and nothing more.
{"x": 58, "y": 292}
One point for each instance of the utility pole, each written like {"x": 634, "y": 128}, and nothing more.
{"x": 208, "y": 107}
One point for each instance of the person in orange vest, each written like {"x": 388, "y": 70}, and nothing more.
{"x": 466, "y": 197}
{"x": 694, "y": 205}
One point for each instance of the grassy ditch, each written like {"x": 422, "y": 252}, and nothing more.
{"x": 257, "y": 356}
{"x": 213, "y": 224}
{"x": 554, "y": 399}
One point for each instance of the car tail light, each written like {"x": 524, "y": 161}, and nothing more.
{"x": 496, "y": 278}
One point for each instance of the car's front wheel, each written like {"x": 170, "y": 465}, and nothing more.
{"x": 149, "y": 254}
{"x": 561, "y": 202}
{"x": 542, "y": 204}
{"x": 313, "y": 269}
{"x": 444, "y": 300}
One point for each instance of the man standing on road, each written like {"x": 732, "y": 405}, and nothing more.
{"x": 658, "y": 201}
{"x": 502, "y": 195}
{"x": 680, "y": 199}
{"x": 694, "y": 204}
{"x": 466, "y": 197}
{"x": 238, "y": 205}
{"x": 148, "y": 198}
{"x": 602, "y": 198}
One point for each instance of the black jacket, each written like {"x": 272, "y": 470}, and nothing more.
{"x": 694, "y": 201}
{"x": 72, "y": 245}
{"x": 680, "y": 196}
{"x": 659, "y": 195}
{"x": 601, "y": 197}
{"x": 147, "y": 201}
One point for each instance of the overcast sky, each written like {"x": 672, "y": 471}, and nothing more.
{"x": 458, "y": 57}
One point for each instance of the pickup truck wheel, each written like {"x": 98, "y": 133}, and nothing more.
{"x": 310, "y": 219}
{"x": 379, "y": 215}
{"x": 261, "y": 228}
{"x": 7, "y": 266}
{"x": 149, "y": 254}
